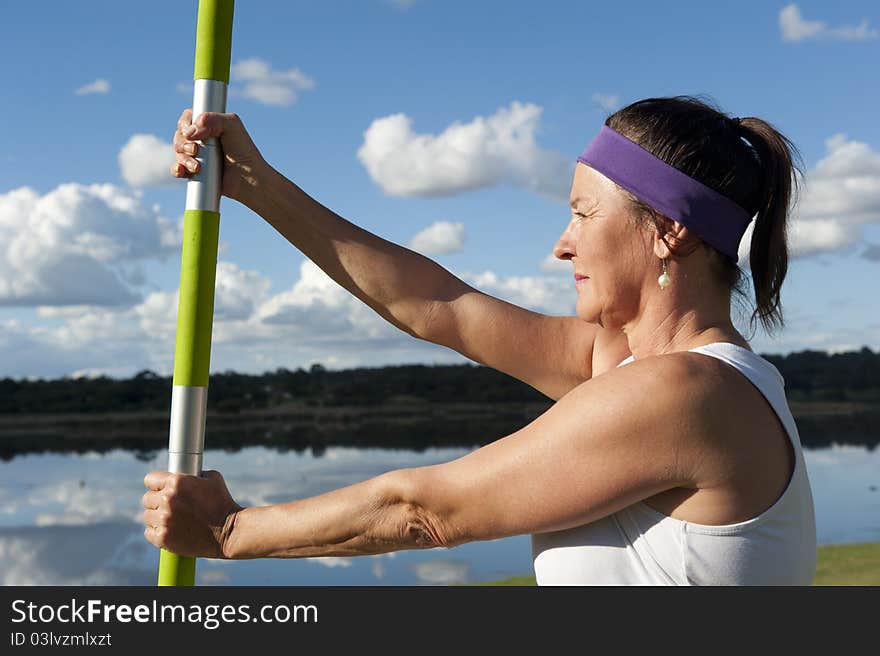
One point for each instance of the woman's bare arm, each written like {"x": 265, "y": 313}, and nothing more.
{"x": 412, "y": 292}
{"x": 593, "y": 453}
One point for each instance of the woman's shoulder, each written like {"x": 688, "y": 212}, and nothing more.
{"x": 687, "y": 385}
{"x": 704, "y": 392}
{"x": 727, "y": 433}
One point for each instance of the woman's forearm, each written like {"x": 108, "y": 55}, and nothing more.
{"x": 398, "y": 283}
{"x": 370, "y": 517}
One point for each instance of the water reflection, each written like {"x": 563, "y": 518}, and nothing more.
{"x": 442, "y": 572}
{"x": 75, "y": 518}
{"x": 104, "y": 553}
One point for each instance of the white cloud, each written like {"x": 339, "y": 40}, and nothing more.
{"x": 155, "y": 317}
{"x": 259, "y": 82}
{"x": 237, "y": 292}
{"x": 151, "y": 324}
{"x": 606, "y": 102}
{"x": 552, "y": 264}
{"x": 439, "y": 238}
{"x": 314, "y": 320}
{"x": 98, "y": 86}
{"x": 77, "y": 244}
{"x": 795, "y": 28}
{"x": 554, "y": 296}
{"x": 485, "y": 152}
{"x": 839, "y": 196}
{"x": 321, "y": 316}
{"x": 145, "y": 161}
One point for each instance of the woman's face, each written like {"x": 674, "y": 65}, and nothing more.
{"x": 609, "y": 254}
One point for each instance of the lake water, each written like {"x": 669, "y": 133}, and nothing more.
{"x": 75, "y": 519}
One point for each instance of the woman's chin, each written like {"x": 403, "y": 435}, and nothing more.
{"x": 586, "y": 313}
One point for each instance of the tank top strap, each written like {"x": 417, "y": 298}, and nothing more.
{"x": 752, "y": 365}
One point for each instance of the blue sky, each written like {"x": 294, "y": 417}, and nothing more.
{"x": 89, "y": 226}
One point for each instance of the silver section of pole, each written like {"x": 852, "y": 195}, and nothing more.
{"x": 203, "y": 189}
{"x": 189, "y": 408}
{"x": 185, "y": 463}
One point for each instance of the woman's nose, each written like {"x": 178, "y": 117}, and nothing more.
{"x": 564, "y": 248}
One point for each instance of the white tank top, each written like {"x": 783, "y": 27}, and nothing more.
{"x": 640, "y": 546}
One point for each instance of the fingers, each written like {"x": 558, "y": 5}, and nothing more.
{"x": 152, "y": 536}
{"x": 156, "y": 526}
{"x": 184, "y": 145}
{"x": 156, "y": 518}
{"x": 156, "y": 502}
{"x": 157, "y": 536}
{"x": 181, "y": 145}
{"x": 157, "y": 480}
{"x": 180, "y": 169}
{"x": 157, "y": 506}
{"x": 180, "y": 141}
{"x": 185, "y": 165}
{"x": 169, "y": 484}
{"x": 184, "y": 150}
{"x": 185, "y": 119}
{"x": 152, "y": 500}
{"x": 208, "y": 125}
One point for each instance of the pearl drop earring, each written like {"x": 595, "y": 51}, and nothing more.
{"x": 665, "y": 279}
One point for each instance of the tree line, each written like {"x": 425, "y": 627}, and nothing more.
{"x": 810, "y": 376}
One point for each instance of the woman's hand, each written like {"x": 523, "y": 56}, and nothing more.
{"x": 189, "y": 515}
{"x": 242, "y": 160}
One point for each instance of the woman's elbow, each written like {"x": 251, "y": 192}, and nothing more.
{"x": 421, "y": 515}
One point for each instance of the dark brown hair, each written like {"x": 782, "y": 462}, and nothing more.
{"x": 748, "y": 161}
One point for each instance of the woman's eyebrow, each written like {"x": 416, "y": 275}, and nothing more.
{"x": 574, "y": 203}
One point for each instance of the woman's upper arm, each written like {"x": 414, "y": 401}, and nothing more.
{"x": 611, "y": 442}
{"x": 552, "y": 354}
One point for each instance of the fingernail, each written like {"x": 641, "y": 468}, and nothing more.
{"x": 191, "y": 165}
{"x": 189, "y": 131}
{"x": 190, "y": 149}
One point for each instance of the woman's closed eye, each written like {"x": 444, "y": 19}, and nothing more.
{"x": 581, "y": 215}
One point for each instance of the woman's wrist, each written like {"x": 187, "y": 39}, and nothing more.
{"x": 232, "y": 535}
{"x": 254, "y": 177}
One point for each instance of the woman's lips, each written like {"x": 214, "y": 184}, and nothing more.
{"x": 578, "y": 278}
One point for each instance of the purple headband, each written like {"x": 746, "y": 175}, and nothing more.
{"x": 719, "y": 221}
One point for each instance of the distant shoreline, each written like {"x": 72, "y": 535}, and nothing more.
{"x": 413, "y": 425}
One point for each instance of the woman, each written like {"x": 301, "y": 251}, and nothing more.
{"x": 670, "y": 455}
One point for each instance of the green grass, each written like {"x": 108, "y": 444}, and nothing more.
{"x": 839, "y": 564}
{"x": 849, "y": 564}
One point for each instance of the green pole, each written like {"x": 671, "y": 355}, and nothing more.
{"x": 195, "y": 310}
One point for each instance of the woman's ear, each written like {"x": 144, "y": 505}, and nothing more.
{"x": 669, "y": 237}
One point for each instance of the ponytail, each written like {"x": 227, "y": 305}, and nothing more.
{"x": 768, "y": 255}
